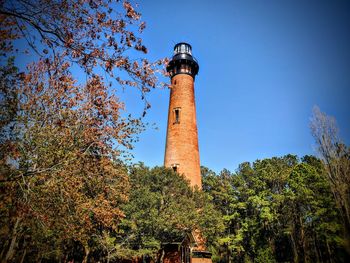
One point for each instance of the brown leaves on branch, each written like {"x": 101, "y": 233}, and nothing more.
{"x": 61, "y": 138}
{"x": 60, "y": 168}
{"x": 96, "y": 35}
{"x": 61, "y": 141}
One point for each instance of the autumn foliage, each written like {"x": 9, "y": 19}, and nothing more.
{"x": 62, "y": 137}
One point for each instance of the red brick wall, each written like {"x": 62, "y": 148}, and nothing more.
{"x": 182, "y": 138}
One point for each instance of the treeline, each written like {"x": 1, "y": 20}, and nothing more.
{"x": 81, "y": 219}
{"x": 276, "y": 210}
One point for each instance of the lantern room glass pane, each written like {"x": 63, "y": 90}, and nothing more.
{"x": 183, "y": 48}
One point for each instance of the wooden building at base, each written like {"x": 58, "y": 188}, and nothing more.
{"x": 186, "y": 250}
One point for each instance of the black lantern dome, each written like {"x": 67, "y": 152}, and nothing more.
{"x": 183, "y": 62}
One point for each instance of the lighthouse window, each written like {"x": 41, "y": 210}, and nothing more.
{"x": 175, "y": 166}
{"x": 177, "y": 115}
{"x": 183, "y": 48}
{"x": 185, "y": 69}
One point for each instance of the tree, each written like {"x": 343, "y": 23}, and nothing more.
{"x": 336, "y": 157}
{"x": 279, "y": 209}
{"x": 220, "y": 189}
{"x": 162, "y": 208}
{"x": 95, "y": 35}
{"x": 63, "y": 170}
{"x": 61, "y": 180}
{"x": 314, "y": 227}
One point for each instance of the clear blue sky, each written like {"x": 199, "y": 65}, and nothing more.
{"x": 263, "y": 66}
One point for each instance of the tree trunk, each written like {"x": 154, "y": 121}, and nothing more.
{"x": 346, "y": 231}
{"x": 24, "y": 255}
{"x": 13, "y": 243}
{"x": 302, "y": 236}
{"x": 228, "y": 255}
{"x": 316, "y": 248}
{"x": 295, "y": 251}
{"x": 162, "y": 256}
{"x": 329, "y": 252}
{"x": 87, "y": 252}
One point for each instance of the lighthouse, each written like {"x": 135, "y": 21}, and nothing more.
{"x": 181, "y": 151}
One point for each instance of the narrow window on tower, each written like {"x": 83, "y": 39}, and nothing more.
{"x": 175, "y": 167}
{"x": 177, "y": 115}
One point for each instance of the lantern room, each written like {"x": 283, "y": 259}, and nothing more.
{"x": 182, "y": 61}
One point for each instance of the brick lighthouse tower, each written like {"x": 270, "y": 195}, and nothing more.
{"x": 181, "y": 151}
